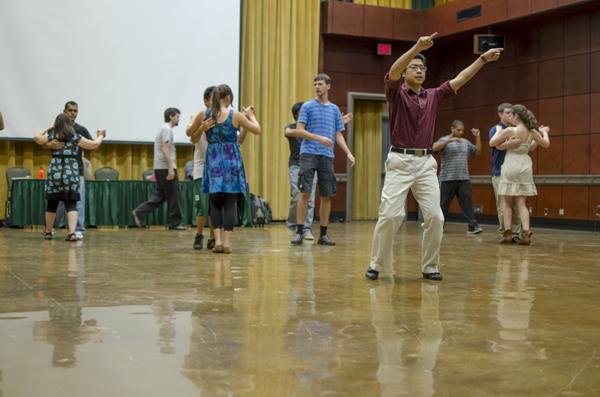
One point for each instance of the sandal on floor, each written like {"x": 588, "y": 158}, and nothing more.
{"x": 71, "y": 237}
{"x": 218, "y": 249}
{"x": 47, "y": 235}
{"x": 227, "y": 250}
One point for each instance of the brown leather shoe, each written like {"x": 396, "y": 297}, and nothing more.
{"x": 506, "y": 237}
{"x": 525, "y": 237}
{"x": 218, "y": 249}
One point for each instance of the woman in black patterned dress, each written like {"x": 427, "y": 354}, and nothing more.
{"x": 62, "y": 181}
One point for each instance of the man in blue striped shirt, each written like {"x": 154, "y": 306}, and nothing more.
{"x": 320, "y": 125}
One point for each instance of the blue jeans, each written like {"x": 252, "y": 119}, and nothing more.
{"x": 60, "y": 212}
{"x": 293, "y": 171}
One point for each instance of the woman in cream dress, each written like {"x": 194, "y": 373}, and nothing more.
{"x": 516, "y": 175}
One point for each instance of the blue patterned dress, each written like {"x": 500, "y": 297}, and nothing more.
{"x": 223, "y": 167}
{"x": 62, "y": 181}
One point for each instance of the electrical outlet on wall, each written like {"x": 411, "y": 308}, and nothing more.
{"x": 561, "y": 211}
{"x": 478, "y": 208}
{"x": 545, "y": 211}
{"x": 530, "y": 210}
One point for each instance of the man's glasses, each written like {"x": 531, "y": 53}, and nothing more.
{"x": 419, "y": 67}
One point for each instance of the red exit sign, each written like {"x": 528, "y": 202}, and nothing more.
{"x": 384, "y": 49}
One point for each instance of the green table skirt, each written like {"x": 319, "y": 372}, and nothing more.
{"x": 109, "y": 203}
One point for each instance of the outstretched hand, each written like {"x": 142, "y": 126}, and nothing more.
{"x": 492, "y": 55}
{"x": 346, "y": 118}
{"x": 475, "y": 132}
{"x": 426, "y": 42}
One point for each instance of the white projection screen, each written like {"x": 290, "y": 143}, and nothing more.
{"x": 123, "y": 61}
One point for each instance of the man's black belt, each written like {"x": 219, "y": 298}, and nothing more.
{"x": 416, "y": 152}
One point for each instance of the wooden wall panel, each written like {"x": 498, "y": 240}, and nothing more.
{"x": 378, "y": 21}
{"x": 550, "y": 65}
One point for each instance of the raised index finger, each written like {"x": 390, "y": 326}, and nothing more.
{"x": 433, "y": 35}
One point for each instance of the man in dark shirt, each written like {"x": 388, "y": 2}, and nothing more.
{"x": 410, "y": 165}
{"x": 72, "y": 110}
{"x": 293, "y": 170}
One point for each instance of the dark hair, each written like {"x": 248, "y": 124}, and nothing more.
{"x": 421, "y": 57}
{"x": 323, "y": 77}
{"x": 503, "y": 106}
{"x": 63, "y": 128}
{"x": 170, "y": 112}
{"x": 456, "y": 123}
{"x": 219, "y": 93}
{"x": 296, "y": 109}
{"x": 526, "y": 116}
{"x": 208, "y": 92}
{"x": 71, "y": 103}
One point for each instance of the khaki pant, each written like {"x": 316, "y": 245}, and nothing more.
{"x": 404, "y": 172}
{"x": 516, "y": 221}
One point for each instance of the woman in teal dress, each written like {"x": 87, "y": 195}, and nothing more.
{"x": 224, "y": 176}
{"x": 62, "y": 181}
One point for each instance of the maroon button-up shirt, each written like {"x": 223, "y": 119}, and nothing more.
{"x": 412, "y": 115}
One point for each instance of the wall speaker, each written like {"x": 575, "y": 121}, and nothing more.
{"x": 484, "y": 42}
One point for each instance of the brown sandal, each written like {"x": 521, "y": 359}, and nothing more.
{"x": 218, "y": 249}
{"x": 227, "y": 250}
{"x": 526, "y": 237}
{"x": 506, "y": 237}
{"x": 71, "y": 237}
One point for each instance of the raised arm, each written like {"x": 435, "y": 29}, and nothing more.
{"x": 41, "y": 138}
{"x": 541, "y": 137}
{"x": 467, "y": 74}
{"x": 422, "y": 44}
{"x": 89, "y": 144}
{"x": 247, "y": 120}
{"x": 477, "y": 134}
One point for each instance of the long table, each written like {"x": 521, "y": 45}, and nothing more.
{"x": 109, "y": 203}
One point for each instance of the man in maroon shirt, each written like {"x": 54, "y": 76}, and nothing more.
{"x": 410, "y": 165}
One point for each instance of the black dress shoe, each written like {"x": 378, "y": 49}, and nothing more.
{"x": 325, "y": 240}
{"x": 297, "y": 240}
{"x": 437, "y": 276}
{"x": 198, "y": 240}
{"x": 178, "y": 227}
{"x": 372, "y": 274}
{"x": 210, "y": 244}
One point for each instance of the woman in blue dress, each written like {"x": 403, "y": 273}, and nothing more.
{"x": 62, "y": 180}
{"x": 224, "y": 176}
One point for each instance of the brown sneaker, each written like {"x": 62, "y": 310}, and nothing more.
{"x": 526, "y": 237}
{"x": 506, "y": 237}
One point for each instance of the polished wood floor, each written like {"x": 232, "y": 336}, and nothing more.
{"x": 139, "y": 313}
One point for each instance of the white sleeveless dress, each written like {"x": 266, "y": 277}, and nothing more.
{"x": 516, "y": 174}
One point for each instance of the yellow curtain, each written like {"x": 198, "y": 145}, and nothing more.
{"x": 442, "y": 2}
{"x": 129, "y": 159}
{"x": 280, "y": 50}
{"x": 387, "y": 3}
{"x": 366, "y": 175}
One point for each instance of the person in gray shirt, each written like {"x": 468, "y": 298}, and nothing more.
{"x": 165, "y": 170}
{"x": 454, "y": 175}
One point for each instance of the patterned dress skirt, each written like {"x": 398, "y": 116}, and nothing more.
{"x": 224, "y": 169}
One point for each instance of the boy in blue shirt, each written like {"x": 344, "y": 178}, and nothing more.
{"x": 319, "y": 125}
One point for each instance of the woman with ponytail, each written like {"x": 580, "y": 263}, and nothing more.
{"x": 516, "y": 175}
{"x": 224, "y": 176}
{"x": 62, "y": 181}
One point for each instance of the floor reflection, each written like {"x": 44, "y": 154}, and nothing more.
{"x": 514, "y": 299}
{"x": 407, "y": 349}
{"x": 62, "y": 284}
